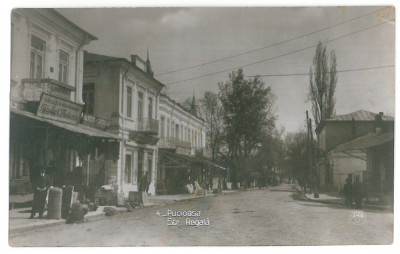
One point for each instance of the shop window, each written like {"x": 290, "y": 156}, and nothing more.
{"x": 63, "y": 67}
{"x": 38, "y": 47}
{"x": 88, "y": 98}
{"x": 128, "y": 168}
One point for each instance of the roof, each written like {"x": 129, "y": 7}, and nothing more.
{"x": 91, "y": 57}
{"x": 368, "y": 140}
{"x": 91, "y": 36}
{"x": 360, "y": 115}
{"x": 180, "y": 105}
{"x": 78, "y": 128}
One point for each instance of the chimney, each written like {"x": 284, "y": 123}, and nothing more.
{"x": 133, "y": 59}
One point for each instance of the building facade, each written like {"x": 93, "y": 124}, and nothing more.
{"x": 337, "y": 164}
{"x": 126, "y": 92}
{"x": 182, "y": 139}
{"x": 46, "y": 125}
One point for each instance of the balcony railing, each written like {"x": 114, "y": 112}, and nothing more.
{"x": 173, "y": 143}
{"x": 148, "y": 125}
{"x": 33, "y": 89}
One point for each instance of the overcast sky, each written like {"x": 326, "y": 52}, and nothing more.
{"x": 185, "y": 37}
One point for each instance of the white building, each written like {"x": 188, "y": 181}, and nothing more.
{"x": 126, "y": 92}
{"x": 46, "y": 104}
{"x": 182, "y": 136}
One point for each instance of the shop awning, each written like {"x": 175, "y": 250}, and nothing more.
{"x": 366, "y": 141}
{"x": 77, "y": 128}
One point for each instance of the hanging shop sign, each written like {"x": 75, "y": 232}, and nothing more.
{"x": 58, "y": 109}
{"x": 95, "y": 122}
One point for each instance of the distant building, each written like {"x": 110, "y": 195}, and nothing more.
{"x": 182, "y": 136}
{"x": 337, "y": 164}
{"x": 46, "y": 125}
{"x": 126, "y": 91}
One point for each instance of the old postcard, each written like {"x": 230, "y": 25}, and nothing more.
{"x": 187, "y": 126}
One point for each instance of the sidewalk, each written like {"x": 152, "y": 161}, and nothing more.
{"x": 19, "y": 218}
{"x": 340, "y": 201}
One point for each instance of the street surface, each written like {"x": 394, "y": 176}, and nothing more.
{"x": 255, "y": 217}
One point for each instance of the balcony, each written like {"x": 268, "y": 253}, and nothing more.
{"x": 173, "y": 143}
{"x": 147, "y": 125}
{"x": 32, "y": 89}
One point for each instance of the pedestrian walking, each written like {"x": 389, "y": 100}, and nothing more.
{"x": 40, "y": 184}
{"x": 348, "y": 192}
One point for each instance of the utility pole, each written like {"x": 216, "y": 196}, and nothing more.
{"x": 311, "y": 154}
{"x": 308, "y": 153}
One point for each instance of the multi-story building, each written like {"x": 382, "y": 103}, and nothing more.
{"x": 46, "y": 128}
{"x": 126, "y": 92}
{"x": 182, "y": 136}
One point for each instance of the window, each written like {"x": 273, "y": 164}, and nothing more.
{"x": 37, "y": 57}
{"x": 150, "y": 108}
{"x": 140, "y": 105}
{"x": 63, "y": 67}
{"x": 162, "y": 129}
{"x": 168, "y": 127}
{"x": 184, "y": 134}
{"x": 129, "y": 101}
{"x": 128, "y": 168}
{"x": 88, "y": 98}
{"x": 177, "y": 131}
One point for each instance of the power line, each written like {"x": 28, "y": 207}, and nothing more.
{"x": 279, "y": 56}
{"x": 306, "y": 74}
{"x": 271, "y": 45}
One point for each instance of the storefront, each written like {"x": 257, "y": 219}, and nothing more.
{"x": 176, "y": 170}
{"x": 72, "y": 153}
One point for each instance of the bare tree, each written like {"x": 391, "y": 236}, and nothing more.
{"x": 323, "y": 80}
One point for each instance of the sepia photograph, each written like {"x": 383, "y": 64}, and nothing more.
{"x": 201, "y": 126}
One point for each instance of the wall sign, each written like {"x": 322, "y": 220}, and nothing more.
{"x": 96, "y": 122}
{"x": 58, "y": 109}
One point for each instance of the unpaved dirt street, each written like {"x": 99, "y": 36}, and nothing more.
{"x": 256, "y": 217}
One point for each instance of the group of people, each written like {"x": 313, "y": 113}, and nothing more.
{"x": 353, "y": 192}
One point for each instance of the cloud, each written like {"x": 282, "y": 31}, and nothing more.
{"x": 179, "y": 20}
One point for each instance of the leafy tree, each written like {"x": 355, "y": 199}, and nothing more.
{"x": 297, "y": 157}
{"x": 248, "y": 116}
{"x": 323, "y": 80}
{"x": 212, "y": 111}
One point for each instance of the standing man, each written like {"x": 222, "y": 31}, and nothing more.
{"x": 40, "y": 186}
{"x": 143, "y": 183}
{"x": 348, "y": 192}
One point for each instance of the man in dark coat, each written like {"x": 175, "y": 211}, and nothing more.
{"x": 144, "y": 183}
{"x": 358, "y": 193}
{"x": 41, "y": 184}
{"x": 348, "y": 192}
